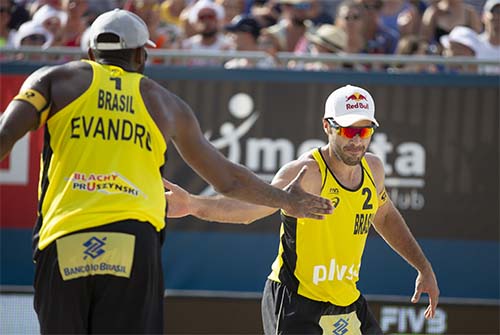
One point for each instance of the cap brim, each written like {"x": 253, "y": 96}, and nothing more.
{"x": 231, "y": 28}
{"x": 151, "y": 43}
{"x": 445, "y": 41}
{"x": 350, "y": 119}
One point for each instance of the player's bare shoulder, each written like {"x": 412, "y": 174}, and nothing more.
{"x": 311, "y": 182}
{"x": 377, "y": 169}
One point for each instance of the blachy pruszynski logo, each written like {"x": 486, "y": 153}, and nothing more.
{"x": 94, "y": 247}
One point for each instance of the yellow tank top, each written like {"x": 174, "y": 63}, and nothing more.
{"x": 320, "y": 259}
{"x": 101, "y": 160}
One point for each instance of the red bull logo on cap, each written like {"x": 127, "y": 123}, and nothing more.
{"x": 355, "y": 101}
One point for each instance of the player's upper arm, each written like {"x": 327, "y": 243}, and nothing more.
{"x": 27, "y": 111}
{"x": 311, "y": 182}
{"x": 378, "y": 172}
{"x": 385, "y": 203}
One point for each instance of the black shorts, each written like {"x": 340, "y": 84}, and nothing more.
{"x": 94, "y": 288}
{"x": 286, "y": 312}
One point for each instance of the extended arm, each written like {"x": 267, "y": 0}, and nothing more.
{"x": 223, "y": 209}
{"x": 230, "y": 179}
{"x": 391, "y": 226}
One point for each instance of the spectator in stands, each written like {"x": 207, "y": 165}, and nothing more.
{"x": 244, "y": 31}
{"x": 327, "y": 39}
{"x": 490, "y": 38}
{"x": 35, "y": 5}
{"x": 412, "y": 45}
{"x": 319, "y": 14}
{"x": 349, "y": 18}
{"x": 292, "y": 25}
{"x": 32, "y": 34}
{"x": 401, "y": 15}
{"x": 206, "y": 17}
{"x": 232, "y": 9}
{"x": 440, "y": 18}
{"x": 53, "y": 20}
{"x": 170, "y": 12}
{"x": 76, "y": 23}
{"x": 19, "y": 14}
{"x": 380, "y": 39}
{"x": 265, "y": 12}
{"x": 164, "y": 38}
{"x": 6, "y": 34}
{"x": 461, "y": 42}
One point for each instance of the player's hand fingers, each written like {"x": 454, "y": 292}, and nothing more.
{"x": 430, "y": 312}
{"x": 416, "y": 295}
{"x": 433, "y": 301}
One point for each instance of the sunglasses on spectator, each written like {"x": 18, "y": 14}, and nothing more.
{"x": 375, "y": 6}
{"x": 206, "y": 17}
{"x": 34, "y": 38}
{"x": 495, "y": 10}
{"x": 353, "y": 17}
{"x": 351, "y": 132}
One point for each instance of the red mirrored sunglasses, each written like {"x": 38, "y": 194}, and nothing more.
{"x": 351, "y": 132}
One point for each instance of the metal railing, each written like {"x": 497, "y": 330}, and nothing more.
{"x": 280, "y": 57}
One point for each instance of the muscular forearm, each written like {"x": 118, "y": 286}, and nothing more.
{"x": 397, "y": 234}
{"x": 245, "y": 186}
{"x": 222, "y": 209}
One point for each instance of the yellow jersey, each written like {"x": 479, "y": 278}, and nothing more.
{"x": 101, "y": 160}
{"x": 321, "y": 259}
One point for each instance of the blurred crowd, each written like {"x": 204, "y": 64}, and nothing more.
{"x": 449, "y": 28}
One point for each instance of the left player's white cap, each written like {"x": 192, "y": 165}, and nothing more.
{"x": 130, "y": 29}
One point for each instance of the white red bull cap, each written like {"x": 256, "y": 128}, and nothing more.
{"x": 350, "y": 104}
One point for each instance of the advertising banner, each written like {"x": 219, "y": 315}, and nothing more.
{"x": 438, "y": 140}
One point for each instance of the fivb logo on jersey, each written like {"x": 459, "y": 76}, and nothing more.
{"x": 404, "y": 162}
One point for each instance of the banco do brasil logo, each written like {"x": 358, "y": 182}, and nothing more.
{"x": 94, "y": 247}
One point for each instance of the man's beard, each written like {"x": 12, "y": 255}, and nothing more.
{"x": 348, "y": 159}
{"x": 298, "y": 21}
{"x": 209, "y": 33}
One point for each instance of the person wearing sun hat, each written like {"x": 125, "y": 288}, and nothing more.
{"x": 32, "y": 33}
{"x": 101, "y": 214}
{"x": 326, "y": 39}
{"x": 288, "y": 32}
{"x": 312, "y": 287}
{"x": 461, "y": 42}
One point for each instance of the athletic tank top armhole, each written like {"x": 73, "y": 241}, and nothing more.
{"x": 318, "y": 157}
{"x": 95, "y": 75}
{"x": 366, "y": 169}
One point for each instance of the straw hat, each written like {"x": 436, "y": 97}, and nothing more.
{"x": 329, "y": 36}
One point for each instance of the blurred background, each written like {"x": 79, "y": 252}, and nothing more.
{"x": 257, "y": 74}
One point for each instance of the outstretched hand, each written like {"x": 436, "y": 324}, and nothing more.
{"x": 427, "y": 283}
{"x": 303, "y": 204}
{"x": 177, "y": 200}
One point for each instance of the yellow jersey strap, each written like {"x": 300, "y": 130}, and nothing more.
{"x": 318, "y": 157}
{"x": 38, "y": 101}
